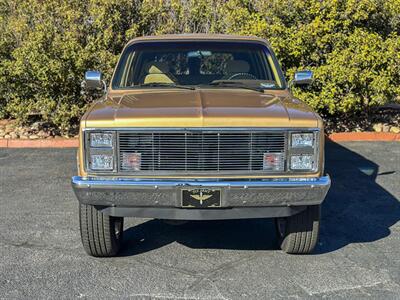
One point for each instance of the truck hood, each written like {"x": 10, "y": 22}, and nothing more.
{"x": 200, "y": 108}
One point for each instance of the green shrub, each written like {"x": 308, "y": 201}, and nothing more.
{"x": 49, "y": 45}
{"x": 353, "y": 46}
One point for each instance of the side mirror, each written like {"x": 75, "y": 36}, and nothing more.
{"x": 94, "y": 81}
{"x": 303, "y": 78}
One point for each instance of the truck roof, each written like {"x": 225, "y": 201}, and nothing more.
{"x": 197, "y": 37}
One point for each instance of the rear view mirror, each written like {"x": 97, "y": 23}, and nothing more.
{"x": 303, "y": 78}
{"x": 199, "y": 53}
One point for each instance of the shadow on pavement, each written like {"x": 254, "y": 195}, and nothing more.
{"x": 356, "y": 210}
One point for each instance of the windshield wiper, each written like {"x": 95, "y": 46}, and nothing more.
{"x": 162, "y": 84}
{"x": 236, "y": 84}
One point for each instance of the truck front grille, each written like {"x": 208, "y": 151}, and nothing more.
{"x": 200, "y": 151}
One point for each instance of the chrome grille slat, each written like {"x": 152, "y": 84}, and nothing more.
{"x": 198, "y": 151}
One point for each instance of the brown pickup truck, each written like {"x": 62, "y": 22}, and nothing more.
{"x": 199, "y": 127}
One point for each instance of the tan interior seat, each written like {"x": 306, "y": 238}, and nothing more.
{"x": 157, "y": 72}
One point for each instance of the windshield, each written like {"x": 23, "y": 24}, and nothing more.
{"x": 197, "y": 64}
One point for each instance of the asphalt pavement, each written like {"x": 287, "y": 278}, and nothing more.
{"x": 358, "y": 255}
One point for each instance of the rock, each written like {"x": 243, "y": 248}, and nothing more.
{"x": 33, "y": 137}
{"x": 13, "y": 135}
{"x": 9, "y": 129}
{"x": 395, "y": 129}
{"x": 42, "y": 134}
{"x": 19, "y": 130}
{"x": 7, "y": 136}
{"x": 24, "y": 137}
{"x": 385, "y": 128}
{"x": 37, "y": 126}
{"x": 2, "y": 133}
{"x": 378, "y": 127}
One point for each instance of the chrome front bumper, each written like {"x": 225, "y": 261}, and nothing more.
{"x": 161, "y": 198}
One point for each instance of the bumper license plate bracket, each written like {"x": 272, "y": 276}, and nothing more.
{"x": 201, "y": 198}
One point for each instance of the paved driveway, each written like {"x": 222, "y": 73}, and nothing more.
{"x": 358, "y": 254}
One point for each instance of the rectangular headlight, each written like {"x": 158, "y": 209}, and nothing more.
{"x": 101, "y": 162}
{"x": 302, "y": 140}
{"x": 302, "y": 162}
{"x": 101, "y": 139}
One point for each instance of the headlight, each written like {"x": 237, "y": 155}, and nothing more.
{"x": 303, "y": 151}
{"x": 101, "y": 140}
{"x": 100, "y": 151}
{"x": 302, "y": 162}
{"x": 302, "y": 140}
{"x": 101, "y": 162}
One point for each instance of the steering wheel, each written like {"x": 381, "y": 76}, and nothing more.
{"x": 245, "y": 75}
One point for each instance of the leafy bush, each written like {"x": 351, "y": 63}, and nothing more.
{"x": 353, "y": 46}
{"x": 48, "y": 45}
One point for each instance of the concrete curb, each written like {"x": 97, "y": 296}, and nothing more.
{"x": 364, "y": 136}
{"x": 53, "y": 143}
{"x": 74, "y": 143}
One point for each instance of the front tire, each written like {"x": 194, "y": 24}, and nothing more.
{"x": 101, "y": 234}
{"x": 298, "y": 234}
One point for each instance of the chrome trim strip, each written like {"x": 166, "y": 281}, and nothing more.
{"x": 174, "y": 129}
{"x": 79, "y": 182}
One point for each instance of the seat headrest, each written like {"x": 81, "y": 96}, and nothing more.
{"x": 157, "y": 67}
{"x": 237, "y": 66}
